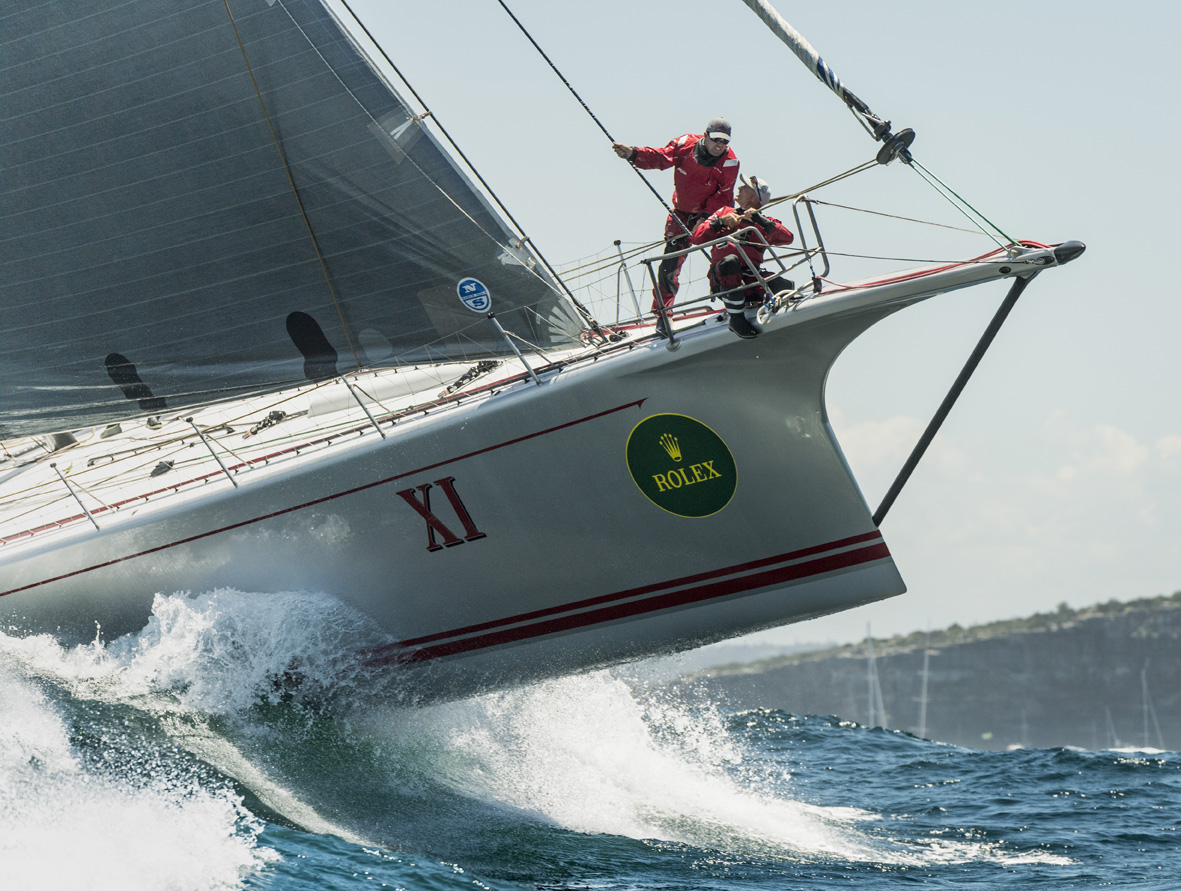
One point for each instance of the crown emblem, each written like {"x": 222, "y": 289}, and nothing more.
{"x": 671, "y": 445}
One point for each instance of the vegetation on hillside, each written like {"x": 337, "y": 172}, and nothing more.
{"x": 1064, "y": 616}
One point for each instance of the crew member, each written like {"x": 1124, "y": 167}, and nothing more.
{"x": 727, "y": 268}
{"x": 705, "y": 170}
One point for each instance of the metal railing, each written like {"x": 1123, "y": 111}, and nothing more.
{"x": 804, "y": 254}
{"x": 810, "y": 253}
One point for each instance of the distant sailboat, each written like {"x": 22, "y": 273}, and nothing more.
{"x": 1148, "y": 714}
{"x": 1149, "y": 709}
{"x": 877, "y": 708}
{"x": 926, "y": 675}
{"x": 1113, "y": 740}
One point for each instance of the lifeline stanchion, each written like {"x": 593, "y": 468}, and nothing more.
{"x": 364, "y": 407}
{"x": 70, "y": 489}
{"x": 492, "y": 318}
{"x": 662, "y": 319}
{"x": 630, "y": 287}
{"x": 216, "y": 457}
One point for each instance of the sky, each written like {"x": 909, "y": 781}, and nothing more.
{"x": 1057, "y": 478}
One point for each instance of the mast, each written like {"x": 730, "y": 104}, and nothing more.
{"x": 876, "y": 717}
{"x": 1149, "y": 710}
{"x": 923, "y": 695}
{"x": 1144, "y": 699}
{"x": 894, "y": 145}
{"x": 869, "y": 674}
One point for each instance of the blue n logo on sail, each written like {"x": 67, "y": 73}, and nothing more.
{"x": 474, "y": 294}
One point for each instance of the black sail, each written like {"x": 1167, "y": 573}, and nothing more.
{"x": 202, "y": 201}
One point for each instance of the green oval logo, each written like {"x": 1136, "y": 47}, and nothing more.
{"x": 681, "y": 465}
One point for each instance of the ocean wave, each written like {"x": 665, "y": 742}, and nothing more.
{"x": 234, "y": 717}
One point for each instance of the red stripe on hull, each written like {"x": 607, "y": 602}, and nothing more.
{"x": 638, "y": 592}
{"x": 407, "y": 652}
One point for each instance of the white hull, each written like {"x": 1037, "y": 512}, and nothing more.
{"x": 545, "y": 555}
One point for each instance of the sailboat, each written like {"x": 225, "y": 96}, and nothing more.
{"x": 263, "y": 330}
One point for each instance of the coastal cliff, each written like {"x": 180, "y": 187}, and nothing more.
{"x": 1105, "y": 676}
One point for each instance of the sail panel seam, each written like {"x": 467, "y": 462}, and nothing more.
{"x": 294, "y": 189}
{"x": 416, "y": 119}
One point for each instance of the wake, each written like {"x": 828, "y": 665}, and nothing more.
{"x": 335, "y": 753}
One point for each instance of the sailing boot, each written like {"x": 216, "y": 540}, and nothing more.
{"x": 741, "y": 326}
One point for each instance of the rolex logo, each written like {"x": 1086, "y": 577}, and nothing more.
{"x": 681, "y": 465}
{"x": 671, "y": 445}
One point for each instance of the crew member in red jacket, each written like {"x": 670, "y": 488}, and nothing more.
{"x": 727, "y": 268}
{"x": 705, "y": 170}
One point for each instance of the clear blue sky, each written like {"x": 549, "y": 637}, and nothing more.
{"x": 1058, "y": 476}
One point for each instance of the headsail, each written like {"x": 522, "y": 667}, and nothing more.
{"x": 209, "y": 198}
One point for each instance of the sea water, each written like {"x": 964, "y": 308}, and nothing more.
{"x": 227, "y": 745}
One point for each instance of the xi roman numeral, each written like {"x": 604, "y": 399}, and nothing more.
{"x": 433, "y": 523}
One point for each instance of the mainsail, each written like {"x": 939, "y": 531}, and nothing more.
{"x": 212, "y": 198}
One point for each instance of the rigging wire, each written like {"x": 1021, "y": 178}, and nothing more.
{"x": 895, "y": 146}
{"x": 594, "y": 118}
{"x": 525, "y": 239}
{"x": 599, "y": 265}
{"x": 974, "y": 216}
{"x": 946, "y": 190}
{"x": 892, "y": 216}
{"x": 961, "y": 381}
{"x": 851, "y": 172}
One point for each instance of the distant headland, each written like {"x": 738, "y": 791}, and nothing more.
{"x": 1105, "y": 676}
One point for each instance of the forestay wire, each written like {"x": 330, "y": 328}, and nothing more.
{"x": 896, "y": 146}
{"x": 960, "y": 204}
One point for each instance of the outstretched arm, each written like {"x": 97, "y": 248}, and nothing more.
{"x": 646, "y": 158}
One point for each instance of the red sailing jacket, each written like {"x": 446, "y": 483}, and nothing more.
{"x": 697, "y": 189}
{"x": 774, "y": 231}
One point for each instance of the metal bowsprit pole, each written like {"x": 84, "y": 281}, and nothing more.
{"x": 1019, "y": 285}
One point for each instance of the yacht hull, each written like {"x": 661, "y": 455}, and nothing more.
{"x": 643, "y": 502}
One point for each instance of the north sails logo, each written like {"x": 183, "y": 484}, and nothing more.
{"x": 681, "y": 465}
